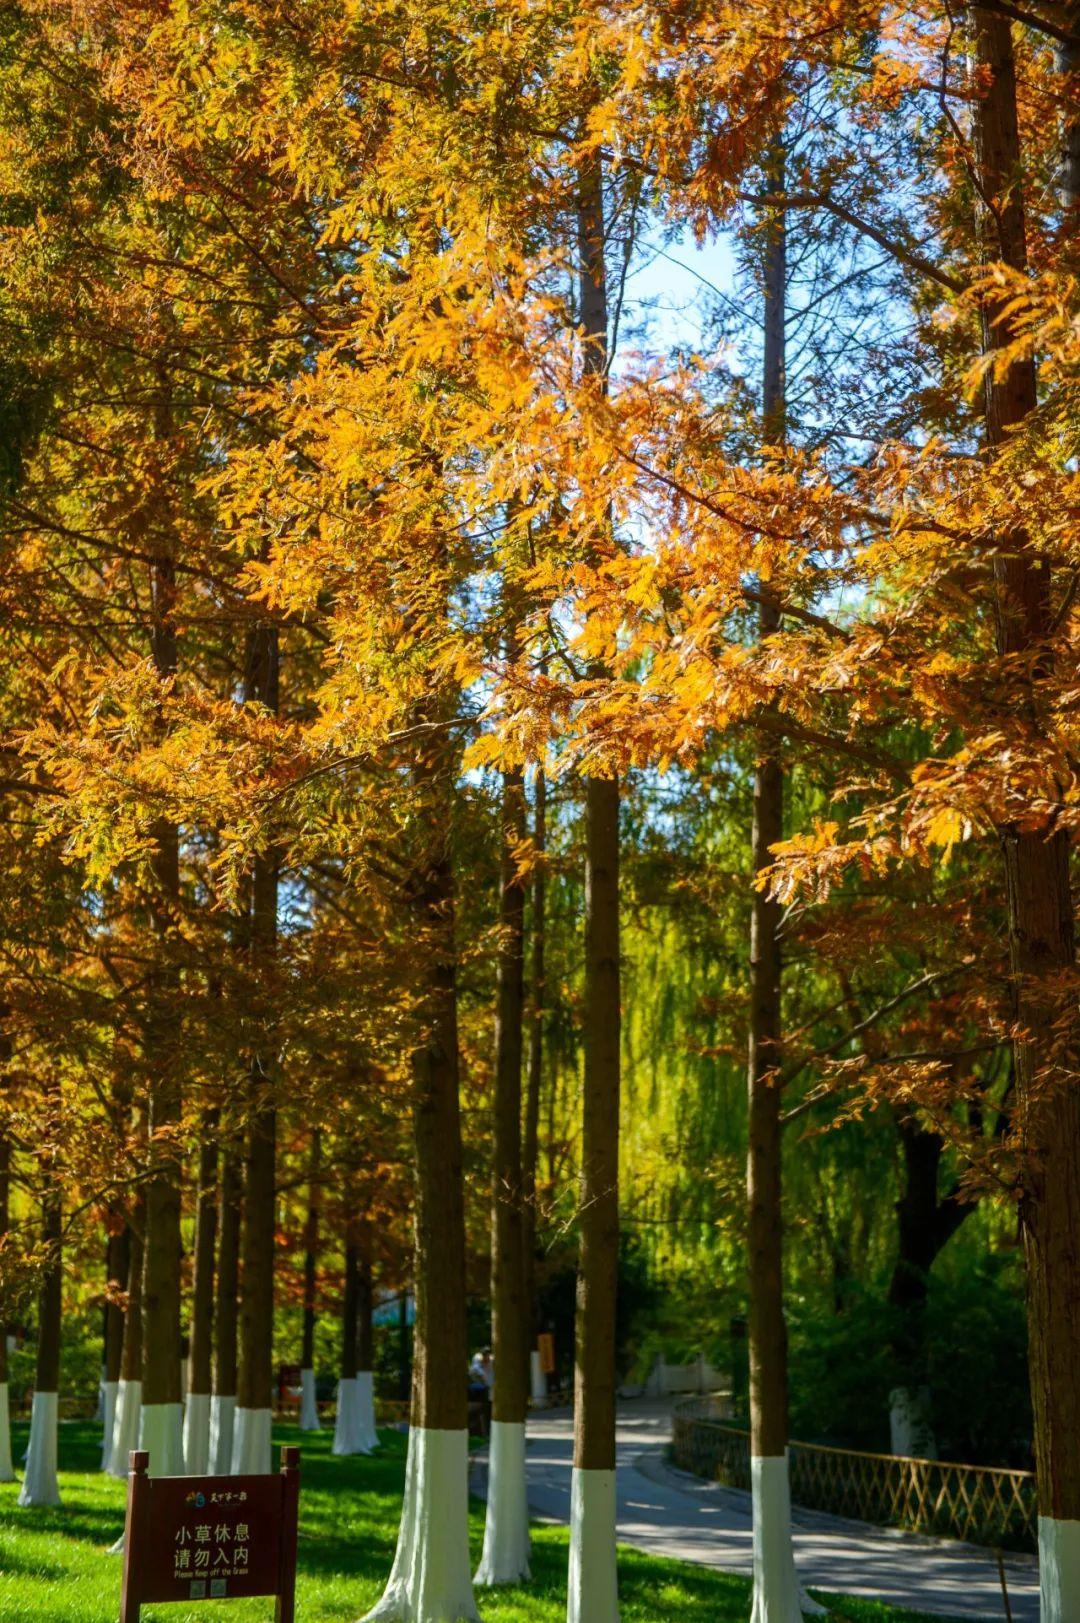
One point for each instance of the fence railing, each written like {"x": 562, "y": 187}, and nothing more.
{"x": 981, "y": 1504}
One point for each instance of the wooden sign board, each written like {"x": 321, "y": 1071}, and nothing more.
{"x": 210, "y": 1537}
{"x": 546, "y": 1345}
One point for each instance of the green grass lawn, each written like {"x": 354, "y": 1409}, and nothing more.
{"x": 54, "y": 1567}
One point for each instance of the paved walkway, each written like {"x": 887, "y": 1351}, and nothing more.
{"x": 669, "y": 1513}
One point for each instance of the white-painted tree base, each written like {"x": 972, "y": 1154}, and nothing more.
{"x": 1059, "y": 1570}
{"x": 354, "y": 1428}
{"x": 7, "y": 1469}
{"x": 537, "y": 1380}
{"x": 197, "y": 1433}
{"x": 366, "y": 1430}
{"x": 222, "y": 1429}
{"x": 429, "y": 1581}
{"x": 778, "y": 1596}
{"x": 505, "y": 1558}
{"x": 109, "y": 1393}
{"x": 593, "y": 1589}
{"x": 309, "y": 1409}
{"x": 161, "y": 1434}
{"x": 125, "y": 1427}
{"x": 345, "y": 1429}
{"x": 251, "y": 1455}
{"x": 40, "y": 1485}
{"x": 911, "y": 1432}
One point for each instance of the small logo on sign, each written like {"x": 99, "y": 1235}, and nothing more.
{"x": 198, "y": 1589}
{"x": 217, "y": 1587}
{"x": 196, "y": 1499}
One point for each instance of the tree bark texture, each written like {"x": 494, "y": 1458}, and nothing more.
{"x": 440, "y": 1343}
{"x": 255, "y": 1354}
{"x": 534, "y": 1085}
{"x": 509, "y": 1317}
{"x": 1040, "y": 910}
{"x": 767, "y": 1328}
{"x": 230, "y": 1196}
{"x": 202, "y": 1304}
{"x": 598, "y": 1265}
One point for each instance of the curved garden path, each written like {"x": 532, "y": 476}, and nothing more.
{"x": 669, "y": 1513}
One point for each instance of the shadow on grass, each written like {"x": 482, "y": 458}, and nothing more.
{"x": 14, "y": 1563}
{"x": 54, "y": 1567}
{"x": 77, "y": 1519}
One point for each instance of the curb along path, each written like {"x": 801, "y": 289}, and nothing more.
{"x": 668, "y": 1513}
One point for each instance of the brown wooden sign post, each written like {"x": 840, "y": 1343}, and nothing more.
{"x": 210, "y": 1537}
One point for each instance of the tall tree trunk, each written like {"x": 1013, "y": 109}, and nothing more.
{"x": 7, "y": 1470}
{"x": 255, "y": 1365}
{"x": 117, "y": 1273}
{"x": 309, "y": 1409}
{"x": 365, "y": 1317}
{"x": 223, "y": 1401}
{"x": 431, "y": 1574}
{"x": 40, "y": 1484}
{"x": 125, "y": 1435}
{"x": 367, "y": 1434}
{"x": 777, "y": 1597}
{"x": 197, "y": 1408}
{"x": 162, "y": 1412}
{"x": 593, "y": 1595}
{"x": 1041, "y": 933}
{"x": 345, "y": 1426}
{"x": 534, "y": 1086}
{"x": 505, "y": 1558}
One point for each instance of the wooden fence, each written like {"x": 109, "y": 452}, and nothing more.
{"x": 978, "y": 1503}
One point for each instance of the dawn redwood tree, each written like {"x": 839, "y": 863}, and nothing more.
{"x": 7, "y": 1473}
{"x": 777, "y": 1597}
{"x": 309, "y": 1409}
{"x": 431, "y": 1577}
{"x": 125, "y": 1434}
{"x": 354, "y": 1431}
{"x": 534, "y": 1084}
{"x": 117, "y": 1266}
{"x": 40, "y": 1485}
{"x": 1040, "y": 906}
{"x": 255, "y": 1345}
{"x": 593, "y": 1582}
{"x": 505, "y": 1557}
{"x": 200, "y": 1335}
{"x": 223, "y": 1398}
{"x": 365, "y": 1353}
{"x": 346, "y": 1439}
{"x": 161, "y": 1428}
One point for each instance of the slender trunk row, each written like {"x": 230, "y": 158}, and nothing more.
{"x": 309, "y": 1410}
{"x": 505, "y": 1557}
{"x": 593, "y": 1584}
{"x": 40, "y": 1483}
{"x": 255, "y": 1375}
{"x": 534, "y": 1085}
{"x": 200, "y": 1356}
{"x": 1040, "y": 908}
{"x": 162, "y": 1381}
{"x": 7, "y": 1473}
{"x": 430, "y": 1575}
